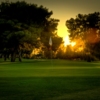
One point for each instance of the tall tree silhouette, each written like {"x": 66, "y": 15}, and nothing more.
{"x": 21, "y": 26}
{"x": 86, "y": 27}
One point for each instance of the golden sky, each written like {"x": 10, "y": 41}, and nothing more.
{"x": 66, "y": 9}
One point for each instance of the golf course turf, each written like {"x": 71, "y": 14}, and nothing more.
{"x": 49, "y": 80}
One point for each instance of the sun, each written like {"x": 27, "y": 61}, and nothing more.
{"x": 68, "y": 42}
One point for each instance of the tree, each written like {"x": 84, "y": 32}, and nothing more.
{"x": 50, "y": 30}
{"x": 14, "y": 37}
{"x": 25, "y": 26}
{"x": 20, "y": 24}
{"x": 85, "y": 27}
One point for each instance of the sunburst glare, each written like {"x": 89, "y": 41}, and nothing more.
{"x": 68, "y": 42}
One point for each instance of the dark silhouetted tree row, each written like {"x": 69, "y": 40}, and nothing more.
{"x": 25, "y": 26}
{"x": 86, "y": 27}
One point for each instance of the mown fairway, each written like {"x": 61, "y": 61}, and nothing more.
{"x": 46, "y": 80}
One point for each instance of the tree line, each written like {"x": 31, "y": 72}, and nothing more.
{"x": 87, "y": 28}
{"x": 24, "y": 27}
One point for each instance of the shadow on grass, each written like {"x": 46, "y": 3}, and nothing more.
{"x": 50, "y": 88}
{"x": 25, "y": 61}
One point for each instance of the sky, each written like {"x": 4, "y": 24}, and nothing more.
{"x": 66, "y": 9}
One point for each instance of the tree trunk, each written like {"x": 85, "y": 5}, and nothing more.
{"x": 20, "y": 56}
{"x": 5, "y": 57}
{"x": 13, "y": 56}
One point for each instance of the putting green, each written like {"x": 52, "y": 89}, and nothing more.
{"x": 46, "y": 68}
{"x": 49, "y": 80}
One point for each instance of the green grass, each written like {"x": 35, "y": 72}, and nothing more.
{"x": 46, "y": 80}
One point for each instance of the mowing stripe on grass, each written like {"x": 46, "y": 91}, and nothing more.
{"x": 38, "y": 80}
